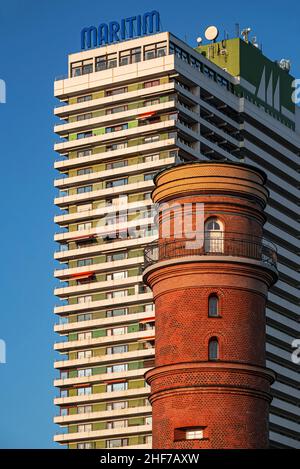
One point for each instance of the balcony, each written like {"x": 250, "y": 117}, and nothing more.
{"x": 227, "y": 245}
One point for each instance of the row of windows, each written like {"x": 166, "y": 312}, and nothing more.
{"x": 126, "y": 57}
{"x": 88, "y": 390}
{"x": 121, "y": 108}
{"x": 122, "y": 145}
{"x": 88, "y": 408}
{"x": 124, "y": 423}
{"x": 119, "y": 368}
{"x": 137, "y": 123}
{"x": 111, "y": 313}
{"x": 115, "y": 443}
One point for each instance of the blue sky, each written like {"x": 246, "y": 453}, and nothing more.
{"x": 35, "y": 38}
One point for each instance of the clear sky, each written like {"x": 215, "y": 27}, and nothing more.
{"x": 35, "y": 38}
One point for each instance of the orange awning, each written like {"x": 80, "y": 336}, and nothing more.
{"x": 146, "y": 115}
{"x": 152, "y": 319}
{"x": 82, "y": 275}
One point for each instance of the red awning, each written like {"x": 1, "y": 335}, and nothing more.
{"x": 146, "y": 115}
{"x": 152, "y": 319}
{"x": 82, "y": 275}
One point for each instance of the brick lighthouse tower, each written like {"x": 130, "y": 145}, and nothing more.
{"x": 210, "y": 387}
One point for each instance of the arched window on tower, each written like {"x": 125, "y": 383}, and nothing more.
{"x": 213, "y": 349}
{"x": 214, "y": 236}
{"x": 213, "y": 306}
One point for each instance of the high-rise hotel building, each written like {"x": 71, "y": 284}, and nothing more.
{"x": 128, "y": 110}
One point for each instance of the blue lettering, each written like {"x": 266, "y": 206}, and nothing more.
{"x": 139, "y": 25}
{"x": 102, "y": 34}
{"x": 86, "y": 37}
{"x": 148, "y": 22}
{"x": 114, "y": 28}
{"x": 123, "y": 30}
{"x": 130, "y": 22}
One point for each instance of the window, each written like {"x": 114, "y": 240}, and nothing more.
{"x": 63, "y": 393}
{"x": 213, "y": 349}
{"x": 117, "y": 387}
{"x": 117, "y": 331}
{"x": 83, "y": 99}
{"x": 84, "y": 207}
{"x": 84, "y": 409}
{"x": 151, "y": 102}
{"x": 84, "y": 226}
{"x": 81, "y": 153}
{"x": 83, "y": 189}
{"x": 86, "y": 391}
{"x": 117, "y": 275}
{"x": 117, "y": 294}
{"x": 84, "y": 373}
{"x": 87, "y": 134}
{"x": 84, "y": 354}
{"x": 87, "y": 445}
{"x": 195, "y": 434}
{"x": 116, "y": 146}
{"x": 213, "y": 306}
{"x": 130, "y": 56}
{"x": 148, "y": 421}
{"x": 117, "y": 405}
{"x": 84, "y": 335}
{"x": 81, "y": 172}
{"x": 63, "y": 375}
{"x": 117, "y": 424}
{"x": 116, "y": 164}
{"x": 64, "y": 411}
{"x": 116, "y": 128}
{"x": 149, "y": 177}
{"x": 81, "y": 68}
{"x": 152, "y": 51}
{"x": 116, "y": 256}
{"x": 214, "y": 238}
{"x": 116, "y": 109}
{"x": 117, "y": 443}
{"x": 87, "y": 427}
{"x": 149, "y": 84}
{"x": 189, "y": 433}
{"x": 115, "y": 91}
{"x": 116, "y": 312}
{"x": 84, "y": 317}
{"x": 106, "y": 61}
{"x": 116, "y": 182}
{"x": 82, "y": 117}
{"x": 84, "y": 262}
{"x": 117, "y": 368}
{"x": 84, "y": 299}
{"x": 117, "y": 349}
{"x": 149, "y": 158}
{"x": 152, "y": 138}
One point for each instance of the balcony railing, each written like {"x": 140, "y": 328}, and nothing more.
{"x": 221, "y": 244}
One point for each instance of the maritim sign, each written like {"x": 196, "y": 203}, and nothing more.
{"x": 127, "y": 28}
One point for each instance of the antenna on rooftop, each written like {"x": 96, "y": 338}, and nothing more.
{"x": 245, "y": 33}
